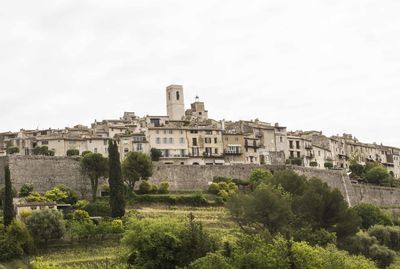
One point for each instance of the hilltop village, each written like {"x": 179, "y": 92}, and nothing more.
{"x": 189, "y": 137}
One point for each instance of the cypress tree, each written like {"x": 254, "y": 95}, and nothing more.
{"x": 8, "y": 205}
{"x": 117, "y": 200}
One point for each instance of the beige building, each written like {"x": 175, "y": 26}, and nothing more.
{"x": 175, "y": 102}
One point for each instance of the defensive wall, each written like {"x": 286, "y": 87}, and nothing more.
{"x": 46, "y": 172}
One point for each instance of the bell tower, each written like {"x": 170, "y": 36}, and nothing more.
{"x": 175, "y": 102}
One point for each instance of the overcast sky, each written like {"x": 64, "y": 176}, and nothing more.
{"x": 330, "y": 65}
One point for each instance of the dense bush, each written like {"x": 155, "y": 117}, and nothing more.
{"x": 163, "y": 188}
{"x": 387, "y": 235}
{"x": 25, "y": 190}
{"x": 83, "y": 230}
{"x": 371, "y": 215}
{"x": 36, "y": 197}
{"x": 377, "y": 175}
{"x": 15, "y": 242}
{"x": 73, "y": 152}
{"x": 194, "y": 199}
{"x": 45, "y": 225}
{"x": 98, "y": 208}
{"x": 223, "y": 189}
{"x": 81, "y": 216}
{"x": 44, "y": 150}
{"x": 328, "y": 165}
{"x": 155, "y": 154}
{"x": 146, "y": 187}
{"x": 166, "y": 243}
{"x": 313, "y": 164}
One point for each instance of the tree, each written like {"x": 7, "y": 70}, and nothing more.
{"x": 259, "y": 176}
{"x": 356, "y": 169}
{"x": 328, "y": 165}
{"x": 8, "y": 205}
{"x": 117, "y": 199}
{"x": 371, "y": 215}
{"x": 155, "y": 154}
{"x": 377, "y": 175}
{"x": 136, "y": 166}
{"x": 95, "y": 166}
{"x": 321, "y": 207}
{"x": 265, "y": 209}
{"x": 73, "y": 152}
{"x": 46, "y": 224}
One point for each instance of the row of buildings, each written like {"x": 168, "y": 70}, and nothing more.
{"x": 189, "y": 137}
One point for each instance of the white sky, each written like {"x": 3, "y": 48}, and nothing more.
{"x": 330, "y": 65}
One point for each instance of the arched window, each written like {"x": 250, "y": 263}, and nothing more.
{"x": 177, "y": 96}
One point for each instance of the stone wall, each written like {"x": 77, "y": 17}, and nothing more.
{"x": 46, "y": 172}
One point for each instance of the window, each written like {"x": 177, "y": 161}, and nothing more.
{"x": 171, "y": 140}
{"x": 158, "y": 140}
{"x": 209, "y": 132}
{"x": 298, "y": 154}
{"x": 207, "y": 140}
{"x": 193, "y": 131}
{"x": 215, "y": 140}
{"x": 170, "y": 132}
{"x": 291, "y": 144}
{"x": 183, "y": 153}
{"x": 126, "y": 150}
{"x": 182, "y": 140}
{"x": 216, "y": 150}
{"x": 45, "y": 142}
{"x": 195, "y": 151}
{"x": 194, "y": 141}
{"x": 139, "y": 147}
{"x": 165, "y": 140}
{"x": 95, "y": 150}
{"x": 177, "y": 95}
{"x": 297, "y": 144}
{"x": 105, "y": 142}
{"x": 281, "y": 139}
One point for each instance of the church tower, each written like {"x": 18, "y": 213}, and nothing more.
{"x": 175, "y": 102}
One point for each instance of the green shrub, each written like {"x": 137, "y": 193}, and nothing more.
{"x": 25, "y": 190}
{"x": 98, "y": 208}
{"x": 73, "y": 152}
{"x": 192, "y": 200}
{"x": 56, "y": 195}
{"x": 328, "y": 165}
{"x": 371, "y": 215}
{"x": 85, "y": 152}
{"x": 146, "y": 187}
{"x": 211, "y": 261}
{"x": 72, "y": 196}
{"x": 81, "y": 204}
{"x": 313, "y": 164}
{"x": 387, "y": 235}
{"x": 164, "y": 187}
{"x": 46, "y": 224}
{"x": 81, "y": 216}
{"x": 213, "y": 188}
{"x": 36, "y": 197}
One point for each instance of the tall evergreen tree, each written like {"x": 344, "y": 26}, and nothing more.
{"x": 117, "y": 200}
{"x": 8, "y": 205}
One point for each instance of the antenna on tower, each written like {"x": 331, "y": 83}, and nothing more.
{"x": 197, "y": 98}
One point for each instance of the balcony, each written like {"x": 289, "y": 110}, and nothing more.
{"x": 233, "y": 152}
{"x": 309, "y": 147}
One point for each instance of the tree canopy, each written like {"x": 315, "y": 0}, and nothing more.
{"x": 95, "y": 166}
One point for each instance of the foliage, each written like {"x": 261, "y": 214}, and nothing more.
{"x": 155, "y": 154}
{"x": 316, "y": 237}
{"x": 223, "y": 189}
{"x": 45, "y": 225}
{"x": 81, "y": 216}
{"x": 95, "y": 166}
{"x": 211, "y": 261}
{"x": 313, "y": 164}
{"x": 25, "y": 190}
{"x": 18, "y": 232}
{"x": 356, "y": 169}
{"x": 44, "y": 150}
{"x": 377, "y": 175}
{"x": 136, "y": 166}
{"x": 3, "y": 191}
{"x": 371, "y": 215}
{"x": 295, "y": 161}
{"x": 259, "y": 176}
{"x": 73, "y": 152}
{"x": 328, "y": 165}
{"x": 117, "y": 199}
{"x": 84, "y": 230}
{"x": 36, "y": 197}
{"x": 163, "y": 188}
{"x": 55, "y": 195}
{"x": 85, "y": 152}
{"x": 8, "y": 206}
{"x": 72, "y": 196}
{"x": 196, "y": 199}
{"x": 12, "y": 150}
{"x": 267, "y": 208}
{"x": 98, "y": 208}
{"x": 166, "y": 243}
{"x": 387, "y": 235}
{"x": 368, "y": 246}
{"x": 146, "y": 187}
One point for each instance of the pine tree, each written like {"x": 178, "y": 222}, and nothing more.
{"x": 8, "y": 205}
{"x": 117, "y": 200}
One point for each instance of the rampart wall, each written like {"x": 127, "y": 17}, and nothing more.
{"x": 46, "y": 172}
